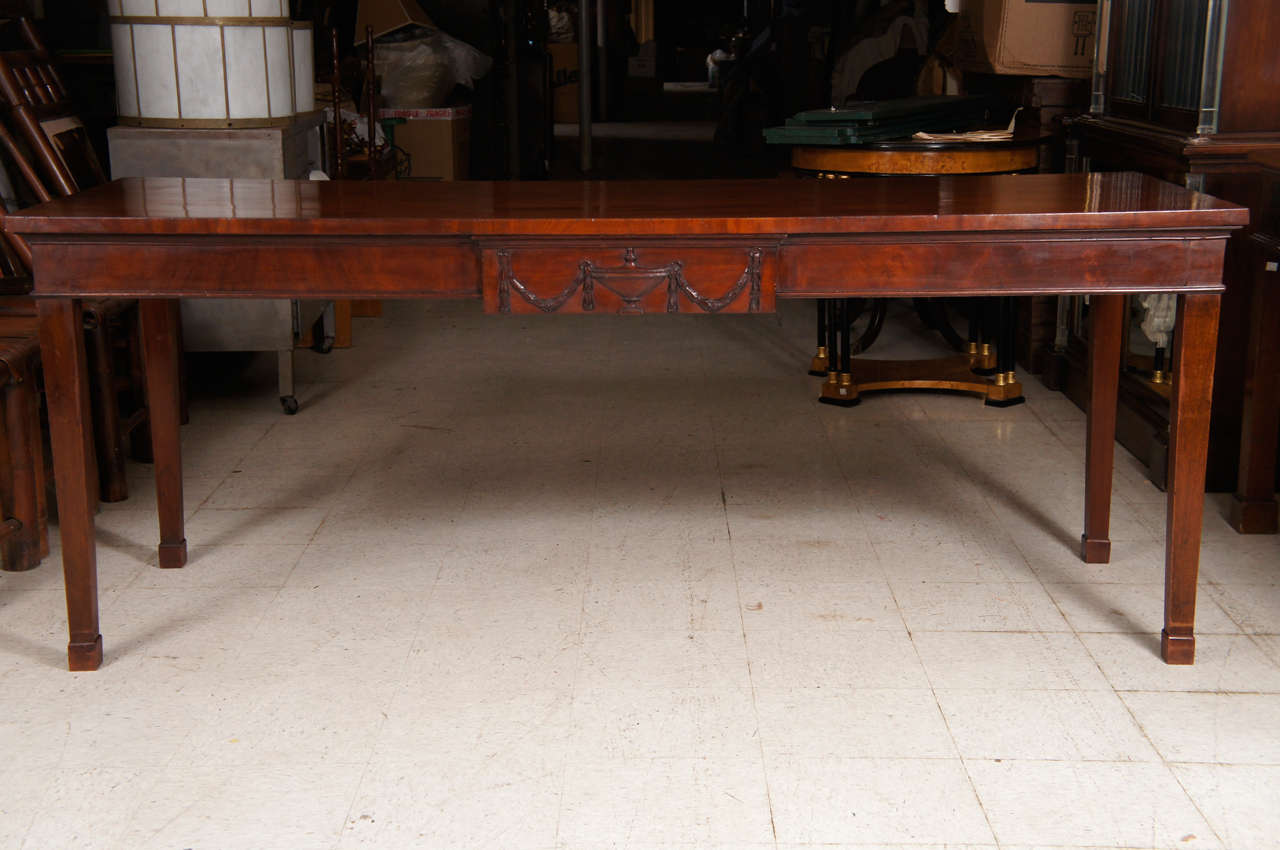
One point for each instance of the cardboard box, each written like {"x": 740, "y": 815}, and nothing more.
{"x": 564, "y": 82}
{"x": 1033, "y": 37}
{"x": 387, "y": 16}
{"x": 438, "y": 141}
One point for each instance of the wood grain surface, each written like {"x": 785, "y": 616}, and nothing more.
{"x": 1016, "y": 202}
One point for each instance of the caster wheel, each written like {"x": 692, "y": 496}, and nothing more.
{"x": 290, "y": 404}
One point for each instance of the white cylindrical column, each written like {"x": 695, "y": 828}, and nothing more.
{"x": 204, "y": 63}
{"x": 304, "y": 66}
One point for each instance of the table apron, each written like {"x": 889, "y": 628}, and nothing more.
{"x": 1011, "y": 264}
{"x": 637, "y": 276}
{"x": 266, "y": 267}
{"x": 887, "y": 265}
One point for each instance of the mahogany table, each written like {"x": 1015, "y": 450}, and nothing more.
{"x": 628, "y": 247}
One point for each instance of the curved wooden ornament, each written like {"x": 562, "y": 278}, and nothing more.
{"x": 632, "y": 283}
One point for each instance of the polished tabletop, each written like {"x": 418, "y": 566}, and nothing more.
{"x": 601, "y": 208}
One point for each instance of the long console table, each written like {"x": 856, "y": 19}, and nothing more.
{"x": 628, "y": 247}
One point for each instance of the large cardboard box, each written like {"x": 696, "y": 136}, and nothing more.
{"x": 387, "y": 16}
{"x": 1033, "y": 37}
{"x": 438, "y": 141}
{"x": 564, "y": 82}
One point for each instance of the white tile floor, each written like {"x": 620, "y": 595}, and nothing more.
{"x": 592, "y": 582}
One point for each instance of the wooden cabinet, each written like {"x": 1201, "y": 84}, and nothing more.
{"x": 1254, "y": 508}
{"x": 1161, "y": 62}
{"x": 1185, "y": 90}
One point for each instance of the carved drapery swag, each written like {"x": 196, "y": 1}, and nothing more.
{"x": 632, "y": 283}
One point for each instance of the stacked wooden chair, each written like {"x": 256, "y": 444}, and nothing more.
{"x": 48, "y": 154}
{"x": 24, "y": 532}
{"x": 44, "y": 140}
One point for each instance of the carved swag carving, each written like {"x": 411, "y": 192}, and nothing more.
{"x": 632, "y": 283}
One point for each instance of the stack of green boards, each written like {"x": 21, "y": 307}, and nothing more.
{"x": 880, "y": 120}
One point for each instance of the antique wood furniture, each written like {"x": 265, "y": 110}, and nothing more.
{"x": 55, "y": 157}
{"x": 1254, "y": 508}
{"x": 908, "y": 156}
{"x": 1184, "y": 91}
{"x": 24, "y": 535}
{"x": 628, "y": 247}
{"x": 985, "y": 367}
{"x": 40, "y": 106}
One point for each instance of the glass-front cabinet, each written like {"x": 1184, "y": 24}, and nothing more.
{"x": 1161, "y": 61}
{"x": 1186, "y": 91}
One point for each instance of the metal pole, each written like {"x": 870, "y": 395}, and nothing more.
{"x": 602, "y": 55}
{"x": 337, "y": 107}
{"x": 584, "y": 86}
{"x": 512, "y": 92}
{"x": 371, "y": 98}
